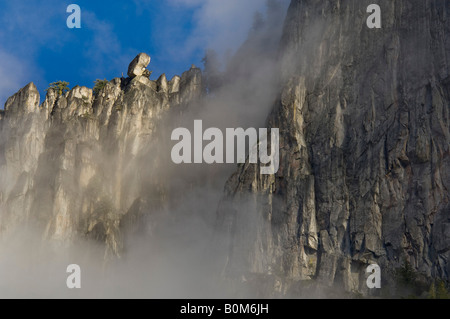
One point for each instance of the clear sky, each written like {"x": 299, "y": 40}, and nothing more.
{"x": 37, "y": 46}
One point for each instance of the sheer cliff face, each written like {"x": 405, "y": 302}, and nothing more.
{"x": 365, "y": 165}
{"x": 364, "y": 156}
{"x": 68, "y": 167}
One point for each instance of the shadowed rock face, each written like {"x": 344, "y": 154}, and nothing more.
{"x": 365, "y": 163}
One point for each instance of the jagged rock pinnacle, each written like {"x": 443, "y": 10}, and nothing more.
{"x": 25, "y": 101}
{"x": 138, "y": 66}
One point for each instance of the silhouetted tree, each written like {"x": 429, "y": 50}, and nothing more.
{"x": 258, "y": 21}
{"x": 432, "y": 291}
{"x": 441, "y": 291}
{"x": 211, "y": 71}
{"x": 406, "y": 275}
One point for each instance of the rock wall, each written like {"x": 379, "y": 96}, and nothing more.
{"x": 364, "y": 156}
{"x": 85, "y": 166}
{"x": 365, "y": 166}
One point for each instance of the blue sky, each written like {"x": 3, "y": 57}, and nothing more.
{"x": 36, "y": 45}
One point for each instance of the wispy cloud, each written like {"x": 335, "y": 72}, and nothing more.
{"x": 220, "y": 25}
{"x": 104, "y": 50}
{"x": 26, "y": 27}
{"x": 215, "y": 24}
{"x": 13, "y": 75}
{"x": 32, "y": 30}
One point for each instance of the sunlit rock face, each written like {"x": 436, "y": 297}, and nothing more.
{"x": 68, "y": 166}
{"x": 364, "y": 170}
{"x": 138, "y": 66}
{"x": 365, "y": 163}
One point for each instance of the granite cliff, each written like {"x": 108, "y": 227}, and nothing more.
{"x": 66, "y": 165}
{"x": 364, "y": 156}
{"x": 365, "y": 166}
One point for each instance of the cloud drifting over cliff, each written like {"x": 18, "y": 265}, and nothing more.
{"x": 221, "y": 25}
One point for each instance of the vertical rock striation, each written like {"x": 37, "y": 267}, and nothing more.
{"x": 364, "y": 153}
{"x": 68, "y": 166}
{"x": 365, "y": 163}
